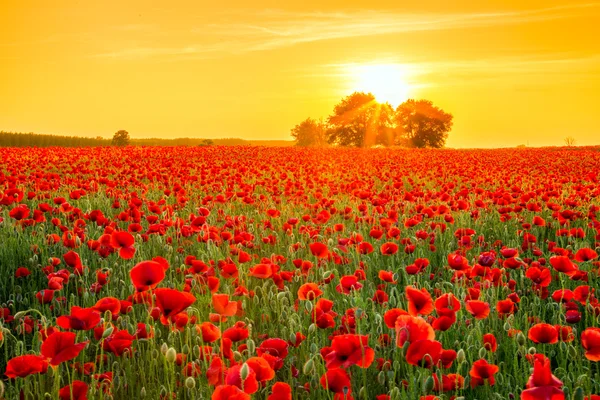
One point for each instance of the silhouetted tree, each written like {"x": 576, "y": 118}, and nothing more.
{"x": 420, "y": 124}
{"x": 206, "y": 142}
{"x": 120, "y": 138}
{"x": 358, "y": 120}
{"x": 309, "y": 132}
{"x": 570, "y": 141}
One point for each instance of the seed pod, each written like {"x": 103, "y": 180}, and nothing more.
{"x": 190, "y": 382}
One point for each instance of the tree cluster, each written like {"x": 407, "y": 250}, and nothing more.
{"x": 360, "y": 121}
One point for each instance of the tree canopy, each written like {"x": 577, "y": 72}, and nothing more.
{"x": 309, "y": 132}
{"x": 120, "y": 138}
{"x": 360, "y": 121}
{"x": 422, "y": 124}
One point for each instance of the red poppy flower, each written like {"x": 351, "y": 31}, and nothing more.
{"x": 171, "y": 302}
{"x": 478, "y": 309}
{"x": 26, "y": 365}
{"x": 76, "y": 391}
{"x": 391, "y": 315}
{"x": 60, "y": 347}
{"x": 348, "y": 283}
{"x": 118, "y": 342}
{"x": 410, "y": 329}
{"x": 350, "y": 350}
{"x": 590, "y": 340}
{"x": 389, "y": 248}
{"x": 147, "y": 275}
{"x": 210, "y": 333}
{"x": 542, "y": 384}
{"x": 424, "y": 353}
{"x": 309, "y": 291}
{"x": 111, "y": 304}
{"x": 481, "y": 371}
{"x": 585, "y": 254}
{"x": 319, "y": 250}
{"x": 249, "y": 384}
{"x": 447, "y": 304}
{"x": 80, "y": 319}
{"x": 450, "y": 383}
{"x": 261, "y": 367}
{"x": 419, "y": 301}
{"x": 543, "y": 333}
{"x": 261, "y": 271}
{"x": 223, "y": 306}
{"x": 229, "y": 392}
{"x": 123, "y": 241}
{"x": 563, "y": 264}
{"x": 280, "y": 391}
{"x": 337, "y": 381}
{"x": 489, "y": 342}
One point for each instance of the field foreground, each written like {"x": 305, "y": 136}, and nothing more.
{"x": 278, "y": 273}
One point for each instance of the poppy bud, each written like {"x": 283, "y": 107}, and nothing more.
{"x": 460, "y": 356}
{"x": 482, "y": 352}
{"x": 143, "y": 392}
{"x": 521, "y": 339}
{"x": 190, "y": 382}
{"x": 171, "y": 355}
{"x": 244, "y": 372}
{"x": 572, "y": 351}
{"x": 532, "y": 350}
{"x": 578, "y": 395}
{"x": 362, "y": 393}
{"x": 428, "y": 385}
{"x": 107, "y": 332}
{"x": 237, "y": 356}
{"x": 281, "y": 295}
{"x": 381, "y": 378}
{"x": 164, "y": 348}
{"x": 312, "y": 328}
{"x": 506, "y": 326}
{"x": 308, "y": 367}
{"x": 308, "y": 306}
{"x": 395, "y": 394}
{"x": 251, "y": 346}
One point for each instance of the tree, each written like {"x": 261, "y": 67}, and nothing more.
{"x": 570, "y": 141}
{"x": 358, "y": 120}
{"x": 120, "y": 138}
{"x": 309, "y": 132}
{"x": 420, "y": 124}
{"x": 206, "y": 142}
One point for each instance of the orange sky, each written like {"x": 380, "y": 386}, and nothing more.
{"x": 512, "y": 72}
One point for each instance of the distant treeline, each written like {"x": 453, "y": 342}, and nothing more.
{"x": 15, "y": 139}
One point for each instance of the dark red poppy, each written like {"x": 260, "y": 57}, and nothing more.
{"x": 75, "y": 391}
{"x": 424, "y": 353}
{"x": 419, "y": 301}
{"x": 350, "y": 350}
{"x": 123, "y": 241}
{"x": 337, "y": 381}
{"x": 171, "y": 301}
{"x": 543, "y": 333}
{"x": 481, "y": 372}
{"x": 80, "y": 319}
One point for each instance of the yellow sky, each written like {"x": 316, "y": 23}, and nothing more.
{"x": 511, "y": 72}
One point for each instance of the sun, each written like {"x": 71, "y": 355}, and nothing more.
{"x": 387, "y": 82}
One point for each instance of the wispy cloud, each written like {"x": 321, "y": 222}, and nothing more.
{"x": 272, "y": 29}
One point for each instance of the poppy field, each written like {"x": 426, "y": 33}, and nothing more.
{"x": 232, "y": 273}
